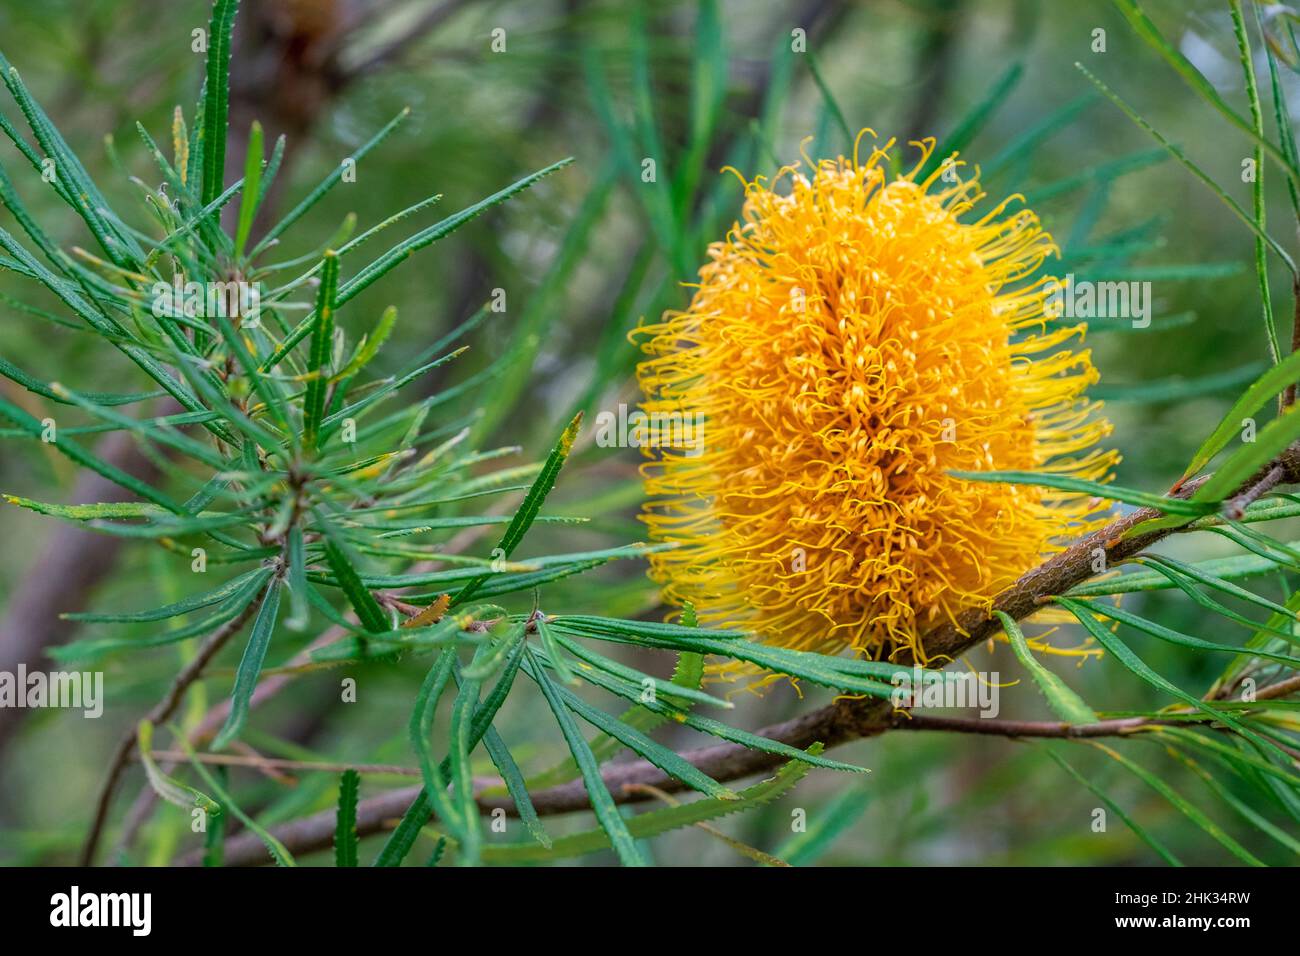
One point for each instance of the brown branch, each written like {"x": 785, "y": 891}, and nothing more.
{"x": 1015, "y": 729}
{"x": 1236, "y": 507}
{"x": 636, "y": 781}
{"x": 1281, "y": 689}
{"x": 1288, "y": 396}
{"x": 844, "y": 720}
{"x": 160, "y": 713}
{"x": 259, "y": 762}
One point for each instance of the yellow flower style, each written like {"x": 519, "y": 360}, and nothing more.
{"x": 860, "y": 336}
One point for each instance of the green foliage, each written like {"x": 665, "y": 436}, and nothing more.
{"x": 250, "y": 666}
{"x": 300, "y": 477}
{"x": 1064, "y": 702}
{"x": 351, "y": 469}
{"x": 216, "y": 99}
{"x": 345, "y": 833}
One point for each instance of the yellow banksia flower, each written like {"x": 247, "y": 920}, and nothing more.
{"x": 857, "y": 338}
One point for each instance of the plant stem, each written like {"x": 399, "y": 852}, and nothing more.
{"x": 845, "y": 720}
{"x": 161, "y": 712}
{"x": 636, "y": 780}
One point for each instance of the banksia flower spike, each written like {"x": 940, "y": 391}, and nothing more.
{"x": 859, "y": 337}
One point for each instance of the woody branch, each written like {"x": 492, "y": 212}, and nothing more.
{"x": 838, "y": 723}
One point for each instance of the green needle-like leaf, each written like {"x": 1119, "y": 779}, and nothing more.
{"x": 611, "y": 821}
{"x": 216, "y": 102}
{"x": 1271, "y": 441}
{"x": 1203, "y": 88}
{"x": 322, "y": 345}
{"x": 250, "y": 667}
{"x": 970, "y": 125}
{"x": 408, "y": 829}
{"x": 403, "y": 251}
{"x": 1171, "y": 506}
{"x": 205, "y": 599}
{"x": 666, "y": 760}
{"x": 1121, "y": 652}
{"x": 421, "y": 725}
{"x": 531, "y": 505}
{"x": 86, "y": 459}
{"x": 1263, "y": 390}
{"x": 1180, "y": 803}
{"x": 829, "y": 823}
{"x": 334, "y": 177}
{"x": 279, "y": 852}
{"x": 1257, "y": 186}
{"x": 1195, "y": 170}
{"x": 173, "y": 791}
{"x": 1064, "y": 702}
{"x": 252, "y": 188}
{"x": 654, "y": 822}
{"x": 1172, "y": 636}
{"x": 1140, "y": 832}
{"x": 345, "y": 831}
{"x": 369, "y": 613}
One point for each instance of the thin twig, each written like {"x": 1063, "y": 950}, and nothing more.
{"x": 1281, "y": 689}
{"x": 274, "y": 683}
{"x": 1029, "y": 728}
{"x": 1236, "y": 507}
{"x": 1288, "y": 396}
{"x": 258, "y": 762}
{"x": 160, "y": 713}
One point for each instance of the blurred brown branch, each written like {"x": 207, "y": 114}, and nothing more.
{"x": 65, "y": 573}
{"x": 435, "y": 16}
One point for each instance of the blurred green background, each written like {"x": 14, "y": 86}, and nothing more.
{"x": 581, "y": 260}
